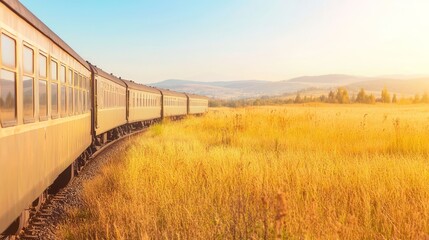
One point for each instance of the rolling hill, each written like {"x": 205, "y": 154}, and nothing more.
{"x": 258, "y": 88}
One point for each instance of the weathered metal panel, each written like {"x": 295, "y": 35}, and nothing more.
{"x": 33, "y": 155}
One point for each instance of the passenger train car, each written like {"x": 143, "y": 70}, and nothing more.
{"x": 56, "y": 109}
{"x": 144, "y": 104}
{"x": 197, "y": 104}
{"x": 174, "y": 104}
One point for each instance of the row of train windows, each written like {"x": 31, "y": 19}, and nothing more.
{"x": 113, "y": 99}
{"x": 198, "y": 103}
{"x": 111, "y": 96}
{"x": 143, "y": 100}
{"x": 175, "y": 102}
{"x": 65, "y": 84}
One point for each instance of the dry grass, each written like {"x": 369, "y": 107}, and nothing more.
{"x": 295, "y": 172}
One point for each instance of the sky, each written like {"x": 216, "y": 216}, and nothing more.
{"x": 218, "y": 40}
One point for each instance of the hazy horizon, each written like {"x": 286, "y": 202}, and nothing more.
{"x": 151, "y": 41}
{"x": 385, "y": 76}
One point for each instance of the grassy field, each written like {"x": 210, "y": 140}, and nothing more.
{"x": 293, "y": 172}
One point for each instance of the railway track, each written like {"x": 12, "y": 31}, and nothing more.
{"x": 52, "y": 210}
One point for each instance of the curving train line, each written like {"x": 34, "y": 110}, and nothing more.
{"x": 57, "y": 110}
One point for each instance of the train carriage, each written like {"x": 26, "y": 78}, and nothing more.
{"x": 144, "y": 103}
{"x": 174, "y": 104}
{"x": 197, "y": 104}
{"x": 109, "y": 104}
{"x": 45, "y": 121}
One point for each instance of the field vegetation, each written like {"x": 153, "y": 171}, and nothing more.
{"x": 314, "y": 171}
{"x": 339, "y": 96}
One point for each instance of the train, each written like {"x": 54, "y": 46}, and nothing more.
{"x": 57, "y": 110}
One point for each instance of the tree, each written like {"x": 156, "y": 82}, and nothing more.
{"x": 394, "y": 99}
{"x": 416, "y": 98}
{"x": 342, "y": 95}
{"x": 425, "y": 98}
{"x": 331, "y": 97}
{"x": 361, "y": 97}
{"x": 371, "y": 99}
{"x": 298, "y": 98}
{"x": 385, "y": 96}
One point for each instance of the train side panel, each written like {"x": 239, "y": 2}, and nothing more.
{"x": 198, "y": 105}
{"x": 111, "y": 105}
{"x": 174, "y": 105}
{"x": 32, "y": 156}
{"x": 144, "y": 106}
{"x": 44, "y": 115}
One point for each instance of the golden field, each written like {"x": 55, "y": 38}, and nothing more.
{"x": 311, "y": 171}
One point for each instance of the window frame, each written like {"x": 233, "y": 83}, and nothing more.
{"x": 10, "y": 122}
{"x": 52, "y": 82}
{"x": 46, "y": 79}
{"x": 70, "y": 91}
{"x": 63, "y": 112}
{"x": 33, "y": 75}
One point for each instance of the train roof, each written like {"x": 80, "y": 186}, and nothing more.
{"x": 31, "y": 19}
{"x": 171, "y": 93}
{"x": 196, "y": 96}
{"x": 108, "y": 76}
{"x": 141, "y": 87}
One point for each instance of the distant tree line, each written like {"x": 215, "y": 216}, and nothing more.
{"x": 339, "y": 96}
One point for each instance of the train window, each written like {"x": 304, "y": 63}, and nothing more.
{"x": 28, "y": 60}
{"x": 63, "y": 74}
{"x": 54, "y": 99}
{"x": 27, "y": 83}
{"x": 43, "y": 102}
{"x": 105, "y": 98}
{"x": 88, "y": 102}
{"x": 70, "y": 77}
{"x": 76, "y": 79}
{"x": 42, "y": 66}
{"x": 63, "y": 100}
{"x": 79, "y": 94}
{"x": 70, "y": 100}
{"x": 8, "y": 79}
{"x": 7, "y": 95}
{"x": 84, "y": 101}
{"x": 75, "y": 104}
{"x": 54, "y": 70}
{"x": 8, "y": 51}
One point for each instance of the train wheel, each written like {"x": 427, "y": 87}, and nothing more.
{"x": 37, "y": 204}
{"x": 19, "y": 224}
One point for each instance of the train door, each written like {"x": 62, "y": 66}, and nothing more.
{"x": 95, "y": 103}
{"x": 127, "y": 104}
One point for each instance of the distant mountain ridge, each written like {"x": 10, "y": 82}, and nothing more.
{"x": 258, "y": 88}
